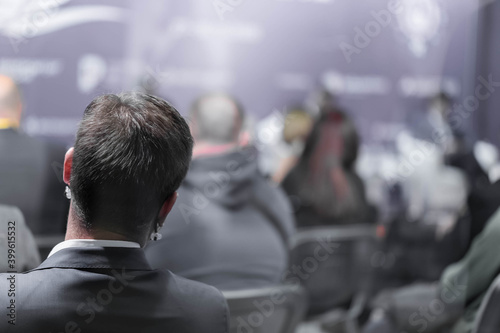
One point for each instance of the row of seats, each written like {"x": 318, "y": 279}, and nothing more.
{"x": 343, "y": 278}
{"x": 329, "y": 267}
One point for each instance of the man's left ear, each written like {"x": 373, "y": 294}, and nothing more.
{"x": 166, "y": 208}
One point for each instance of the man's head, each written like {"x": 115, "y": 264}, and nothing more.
{"x": 131, "y": 153}
{"x": 217, "y": 119}
{"x": 10, "y": 103}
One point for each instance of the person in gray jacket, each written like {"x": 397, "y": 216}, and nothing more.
{"x": 230, "y": 227}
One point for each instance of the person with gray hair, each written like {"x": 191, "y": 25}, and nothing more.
{"x": 27, "y": 165}
{"x": 217, "y": 119}
{"x": 231, "y": 227}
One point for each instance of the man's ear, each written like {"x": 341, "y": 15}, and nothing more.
{"x": 166, "y": 208}
{"x": 68, "y": 163}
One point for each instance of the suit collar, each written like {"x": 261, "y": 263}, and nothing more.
{"x": 92, "y": 243}
{"x": 106, "y": 258}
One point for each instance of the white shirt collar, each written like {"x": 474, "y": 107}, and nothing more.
{"x": 93, "y": 243}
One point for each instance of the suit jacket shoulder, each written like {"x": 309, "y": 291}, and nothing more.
{"x": 210, "y": 308}
{"x": 108, "y": 290}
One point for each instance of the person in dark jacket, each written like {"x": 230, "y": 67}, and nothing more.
{"x": 324, "y": 186}
{"x": 131, "y": 153}
{"x": 27, "y": 169}
{"x": 230, "y": 227}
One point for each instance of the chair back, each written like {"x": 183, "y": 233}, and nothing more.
{"x": 332, "y": 263}
{"x": 269, "y": 310}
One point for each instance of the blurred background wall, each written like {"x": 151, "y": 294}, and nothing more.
{"x": 382, "y": 59}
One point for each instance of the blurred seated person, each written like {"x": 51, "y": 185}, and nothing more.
{"x": 484, "y": 198}
{"x": 483, "y": 203}
{"x": 451, "y": 303}
{"x": 296, "y": 129}
{"x": 13, "y": 230}
{"x": 28, "y": 179}
{"x": 281, "y": 137}
{"x": 431, "y": 229}
{"x": 131, "y": 153}
{"x": 436, "y": 125}
{"x": 324, "y": 187}
{"x": 231, "y": 226}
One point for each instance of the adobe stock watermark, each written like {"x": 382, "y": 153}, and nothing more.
{"x": 30, "y": 26}
{"x": 92, "y": 305}
{"x": 363, "y": 37}
{"x": 154, "y": 78}
{"x": 294, "y": 276}
{"x": 427, "y": 314}
{"x": 223, "y": 6}
{"x": 456, "y": 116}
{"x": 482, "y": 92}
{"x": 277, "y": 120}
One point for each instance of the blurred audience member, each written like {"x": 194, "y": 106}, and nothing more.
{"x": 277, "y": 150}
{"x": 453, "y": 302}
{"x": 320, "y": 100}
{"x": 433, "y": 124}
{"x": 484, "y": 196}
{"x": 431, "y": 230}
{"x": 437, "y": 127}
{"x": 231, "y": 227}
{"x": 297, "y": 126}
{"x": 28, "y": 178}
{"x": 131, "y": 153}
{"x": 13, "y": 230}
{"x": 323, "y": 186}
{"x": 483, "y": 203}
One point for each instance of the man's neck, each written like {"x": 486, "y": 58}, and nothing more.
{"x": 76, "y": 231}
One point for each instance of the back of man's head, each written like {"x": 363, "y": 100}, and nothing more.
{"x": 131, "y": 153}
{"x": 10, "y": 99}
{"x": 216, "y": 119}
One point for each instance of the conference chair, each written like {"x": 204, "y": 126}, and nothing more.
{"x": 487, "y": 318}
{"x": 333, "y": 265}
{"x": 268, "y": 310}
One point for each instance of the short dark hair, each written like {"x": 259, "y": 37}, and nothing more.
{"x": 132, "y": 152}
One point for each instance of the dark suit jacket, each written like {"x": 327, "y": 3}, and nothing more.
{"x": 109, "y": 290}
{"x": 28, "y": 180}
